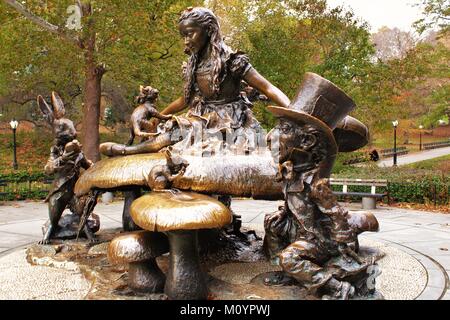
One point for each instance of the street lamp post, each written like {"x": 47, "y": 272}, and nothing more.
{"x": 420, "y": 137}
{"x": 14, "y": 123}
{"x": 395, "y": 124}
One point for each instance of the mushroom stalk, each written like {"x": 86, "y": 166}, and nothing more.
{"x": 139, "y": 250}
{"x": 127, "y": 222}
{"x": 145, "y": 276}
{"x": 185, "y": 280}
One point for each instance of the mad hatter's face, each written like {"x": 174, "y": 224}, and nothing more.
{"x": 282, "y": 140}
{"x": 288, "y": 141}
{"x": 294, "y": 142}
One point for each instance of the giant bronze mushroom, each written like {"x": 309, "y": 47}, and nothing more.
{"x": 179, "y": 215}
{"x": 139, "y": 250}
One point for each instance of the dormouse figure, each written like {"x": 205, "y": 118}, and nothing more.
{"x": 161, "y": 177}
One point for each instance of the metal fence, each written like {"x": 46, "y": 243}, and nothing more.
{"x": 435, "y": 145}
{"x": 24, "y": 189}
{"x": 386, "y": 153}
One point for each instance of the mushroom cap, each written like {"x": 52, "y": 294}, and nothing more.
{"x": 235, "y": 175}
{"x": 118, "y": 171}
{"x": 177, "y": 210}
{"x": 363, "y": 221}
{"x": 136, "y": 247}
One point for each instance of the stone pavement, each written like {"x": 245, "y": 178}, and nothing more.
{"x": 424, "y": 236}
{"x": 415, "y": 157}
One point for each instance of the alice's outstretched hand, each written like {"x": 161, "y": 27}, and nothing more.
{"x": 175, "y": 107}
{"x": 257, "y": 81}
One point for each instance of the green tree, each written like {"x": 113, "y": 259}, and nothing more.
{"x": 436, "y": 13}
{"x": 286, "y": 39}
{"x": 122, "y": 38}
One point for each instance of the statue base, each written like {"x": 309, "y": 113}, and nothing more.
{"x": 68, "y": 226}
{"x": 233, "y": 273}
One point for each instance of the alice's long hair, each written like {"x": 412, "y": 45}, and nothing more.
{"x": 220, "y": 52}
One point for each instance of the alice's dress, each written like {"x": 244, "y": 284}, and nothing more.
{"x": 223, "y": 120}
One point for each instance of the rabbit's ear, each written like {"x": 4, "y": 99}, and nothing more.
{"x": 46, "y": 109}
{"x": 58, "y": 106}
{"x": 141, "y": 88}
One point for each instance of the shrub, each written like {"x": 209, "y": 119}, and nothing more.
{"x": 404, "y": 184}
{"x": 344, "y": 159}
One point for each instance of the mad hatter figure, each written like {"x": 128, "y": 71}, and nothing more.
{"x": 310, "y": 236}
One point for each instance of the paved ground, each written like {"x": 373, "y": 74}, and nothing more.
{"x": 425, "y": 236}
{"x": 415, "y": 157}
{"x": 23, "y": 281}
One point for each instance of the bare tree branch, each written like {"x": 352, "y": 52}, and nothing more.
{"x": 41, "y": 22}
{"x": 22, "y": 97}
{"x": 163, "y": 54}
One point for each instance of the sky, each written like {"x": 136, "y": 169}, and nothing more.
{"x": 378, "y": 13}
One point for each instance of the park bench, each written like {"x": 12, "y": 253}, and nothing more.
{"x": 368, "y": 198}
{"x": 386, "y": 153}
{"x": 435, "y": 145}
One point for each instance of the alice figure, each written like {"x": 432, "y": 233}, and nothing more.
{"x": 212, "y": 89}
{"x": 213, "y": 75}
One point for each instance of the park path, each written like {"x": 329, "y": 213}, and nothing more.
{"x": 424, "y": 236}
{"x": 415, "y": 157}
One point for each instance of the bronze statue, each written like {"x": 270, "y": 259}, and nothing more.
{"x": 251, "y": 93}
{"x": 212, "y": 89}
{"x": 143, "y": 113}
{"x": 65, "y": 162}
{"x": 310, "y": 236}
{"x": 213, "y": 93}
{"x": 162, "y": 176}
{"x": 140, "y": 124}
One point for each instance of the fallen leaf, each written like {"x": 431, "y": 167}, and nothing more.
{"x": 253, "y": 297}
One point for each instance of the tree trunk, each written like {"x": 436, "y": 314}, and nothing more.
{"x": 91, "y": 107}
{"x": 93, "y": 73}
{"x": 91, "y": 114}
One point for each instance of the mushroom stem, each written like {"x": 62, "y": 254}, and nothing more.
{"x": 145, "y": 276}
{"x": 185, "y": 280}
{"x": 127, "y": 222}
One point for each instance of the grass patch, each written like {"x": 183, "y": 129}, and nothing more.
{"x": 440, "y": 164}
{"x": 33, "y": 149}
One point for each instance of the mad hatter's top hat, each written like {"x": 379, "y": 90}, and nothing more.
{"x": 321, "y": 103}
